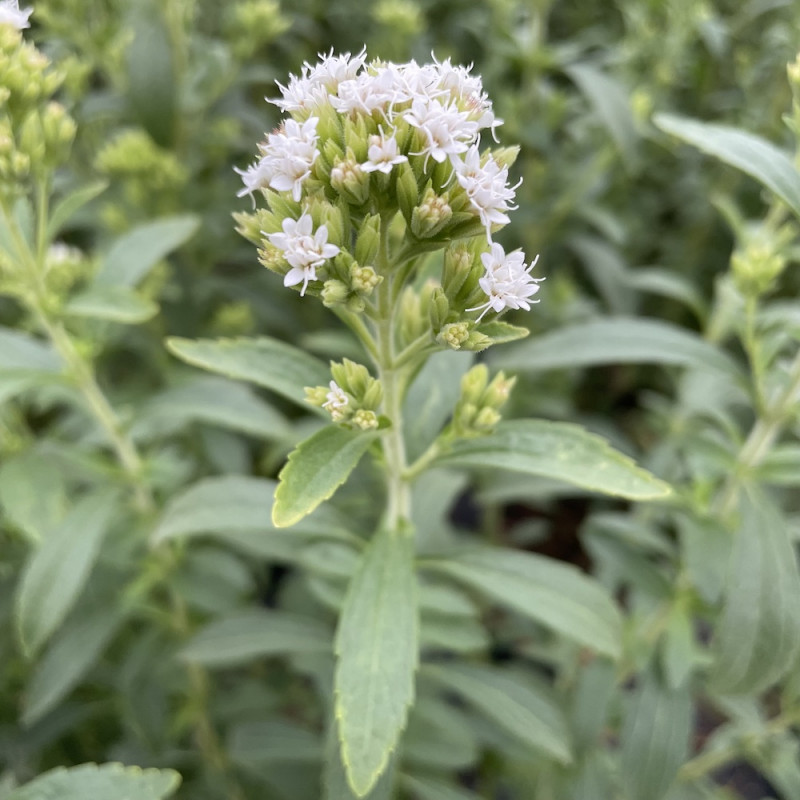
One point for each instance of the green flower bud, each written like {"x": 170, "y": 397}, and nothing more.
{"x": 407, "y": 190}
{"x": 505, "y": 156}
{"x": 474, "y": 383}
{"x": 364, "y": 279}
{"x": 438, "y": 307}
{"x": 334, "y": 293}
{"x": 356, "y": 304}
{"x": 476, "y": 342}
{"x": 368, "y": 240}
{"x": 365, "y": 419}
{"x": 316, "y": 395}
{"x": 59, "y": 131}
{"x": 454, "y": 334}
{"x": 458, "y": 260}
{"x": 431, "y": 215}
{"x": 486, "y": 420}
{"x": 498, "y": 391}
{"x": 373, "y": 396}
{"x": 350, "y": 181}
{"x": 31, "y": 140}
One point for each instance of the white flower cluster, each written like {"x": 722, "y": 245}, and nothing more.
{"x": 435, "y": 112}
{"x": 12, "y": 14}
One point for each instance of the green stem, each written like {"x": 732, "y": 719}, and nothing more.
{"x": 393, "y": 381}
{"x": 356, "y": 324}
{"x": 763, "y": 434}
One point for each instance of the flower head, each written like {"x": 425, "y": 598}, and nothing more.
{"x": 12, "y": 14}
{"x": 447, "y": 131}
{"x": 335, "y": 401}
{"x": 382, "y": 154}
{"x": 303, "y": 249}
{"x": 487, "y": 187}
{"x": 507, "y": 282}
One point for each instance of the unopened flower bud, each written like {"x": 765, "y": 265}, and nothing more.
{"x": 458, "y": 261}
{"x": 477, "y": 342}
{"x": 438, "y": 308}
{"x": 498, "y": 391}
{"x": 31, "y": 139}
{"x": 364, "y": 279}
{"x": 407, "y": 190}
{"x": 368, "y": 240}
{"x": 431, "y": 215}
{"x": 474, "y": 383}
{"x": 350, "y": 180}
{"x": 316, "y": 395}
{"x": 454, "y": 334}
{"x": 334, "y": 293}
{"x": 59, "y": 131}
{"x": 486, "y": 419}
{"x": 365, "y": 419}
{"x": 505, "y": 156}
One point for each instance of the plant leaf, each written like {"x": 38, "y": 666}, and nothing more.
{"x": 259, "y": 743}
{"x": 430, "y": 789}
{"x": 217, "y": 401}
{"x": 56, "y": 573}
{"x": 135, "y": 253}
{"x": 73, "y": 652}
{"x": 554, "y": 594}
{"x": 22, "y": 353}
{"x": 113, "y": 303}
{"x": 523, "y": 709}
{"x": 751, "y": 154}
{"x": 758, "y": 635}
{"x": 620, "y": 340}
{"x": 557, "y": 450}
{"x": 246, "y": 635}
{"x": 100, "y": 782}
{"x": 71, "y": 204}
{"x": 655, "y": 738}
{"x": 377, "y": 648}
{"x": 316, "y": 468}
{"x": 270, "y": 363}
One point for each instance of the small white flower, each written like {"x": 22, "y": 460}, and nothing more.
{"x": 382, "y": 154}
{"x": 335, "y": 400}
{"x": 333, "y": 70}
{"x": 289, "y": 155}
{"x": 507, "y": 282}
{"x": 366, "y": 93}
{"x": 302, "y": 249}
{"x": 256, "y": 176}
{"x": 447, "y": 130}
{"x": 12, "y": 14}
{"x": 487, "y": 187}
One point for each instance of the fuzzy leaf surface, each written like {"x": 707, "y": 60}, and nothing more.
{"x": 270, "y": 363}
{"x": 554, "y": 594}
{"x": 377, "y": 648}
{"x": 561, "y": 451}
{"x": 316, "y": 468}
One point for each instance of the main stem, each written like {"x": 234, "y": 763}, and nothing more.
{"x": 392, "y": 379}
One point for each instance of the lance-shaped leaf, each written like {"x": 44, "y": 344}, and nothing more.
{"x": 133, "y": 255}
{"x": 552, "y": 593}
{"x": 57, "y": 572}
{"x": 270, "y": 363}
{"x": 524, "y": 709}
{"x": 561, "y": 451}
{"x": 113, "y": 303}
{"x": 71, "y": 204}
{"x": 377, "y": 648}
{"x": 254, "y": 633}
{"x": 106, "y": 781}
{"x": 655, "y": 738}
{"x": 316, "y": 468}
{"x": 619, "y": 340}
{"x": 751, "y": 154}
{"x": 759, "y": 633}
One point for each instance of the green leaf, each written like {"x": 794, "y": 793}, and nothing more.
{"x": 554, "y": 594}
{"x": 677, "y": 647}
{"x": 557, "y": 450}
{"x": 378, "y": 650}
{"x": 502, "y": 332}
{"x": 758, "y": 635}
{"x": 254, "y": 633}
{"x": 112, "y": 303}
{"x": 260, "y": 743}
{"x": 216, "y": 401}
{"x": 151, "y": 73}
{"x": 73, "y": 652}
{"x": 610, "y": 102}
{"x": 270, "y": 363}
{"x": 21, "y": 353}
{"x": 521, "y": 707}
{"x": 33, "y": 495}
{"x": 56, "y": 573}
{"x": 71, "y": 204}
{"x": 316, "y": 468}
{"x": 620, "y": 340}
{"x": 100, "y": 782}
{"x": 135, "y": 253}
{"x": 439, "y": 736}
{"x": 655, "y": 738}
{"x": 430, "y": 789}
{"x": 334, "y": 779}
{"x": 751, "y": 154}
{"x": 591, "y": 698}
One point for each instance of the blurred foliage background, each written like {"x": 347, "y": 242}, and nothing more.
{"x": 168, "y": 96}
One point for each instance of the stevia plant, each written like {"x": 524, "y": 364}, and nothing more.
{"x": 383, "y": 200}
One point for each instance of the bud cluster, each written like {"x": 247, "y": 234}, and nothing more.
{"x": 383, "y": 152}
{"x": 478, "y": 407}
{"x": 35, "y": 134}
{"x": 352, "y": 398}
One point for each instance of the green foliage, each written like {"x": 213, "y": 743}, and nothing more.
{"x": 218, "y": 562}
